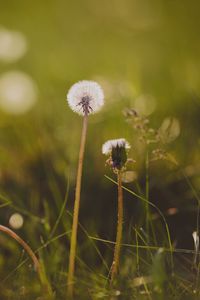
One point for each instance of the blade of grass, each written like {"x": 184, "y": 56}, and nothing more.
{"x": 61, "y": 210}
{"x": 178, "y": 250}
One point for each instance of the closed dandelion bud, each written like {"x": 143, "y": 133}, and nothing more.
{"x": 85, "y": 97}
{"x": 117, "y": 150}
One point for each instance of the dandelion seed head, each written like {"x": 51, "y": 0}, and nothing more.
{"x": 85, "y": 97}
{"x": 116, "y": 143}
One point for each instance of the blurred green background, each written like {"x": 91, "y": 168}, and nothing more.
{"x": 144, "y": 54}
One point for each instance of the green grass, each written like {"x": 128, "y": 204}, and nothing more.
{"x": 147, "y": 270}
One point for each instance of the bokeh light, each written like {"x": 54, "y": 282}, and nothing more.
{"x": 13, "y": 45}
{"x": 16, "y": 221}
{"x": 18, "y": 92}
{"x": 145, "y": 104}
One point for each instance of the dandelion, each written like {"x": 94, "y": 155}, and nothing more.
{"x": 117, "y": 150}
{"x": 84, "y": 97}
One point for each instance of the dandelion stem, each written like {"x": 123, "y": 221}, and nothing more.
{"x": 37, "y": 265}
{"x": 115, "y": 264}
{"x": 72, "y": 253}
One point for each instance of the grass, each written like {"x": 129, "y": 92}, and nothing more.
{"x": 151, "y": 265}
{"x": 147, "y": 270}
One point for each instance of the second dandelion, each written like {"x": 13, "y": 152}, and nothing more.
{"x": 117, "y": 152}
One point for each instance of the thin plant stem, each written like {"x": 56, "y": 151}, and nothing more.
{"x": 38, "y": 267}
{"x": 115, "y": 264}
{"x": 137, "y": 252}
{"x": 149, "y": 224}
{"x": 72, "y": 254}
{"x": 61, "y": 211}
{"x": 147, "y": 195}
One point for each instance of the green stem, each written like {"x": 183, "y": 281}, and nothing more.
{"x": 72, "y": 254}
{"x": 147, "y": 195}
{"x": 149, "y": 223}
{"x": 45, "y": 285}
{"x": 115, "y": 264}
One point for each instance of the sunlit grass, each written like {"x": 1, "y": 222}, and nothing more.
{"x": 146, "y": 270}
